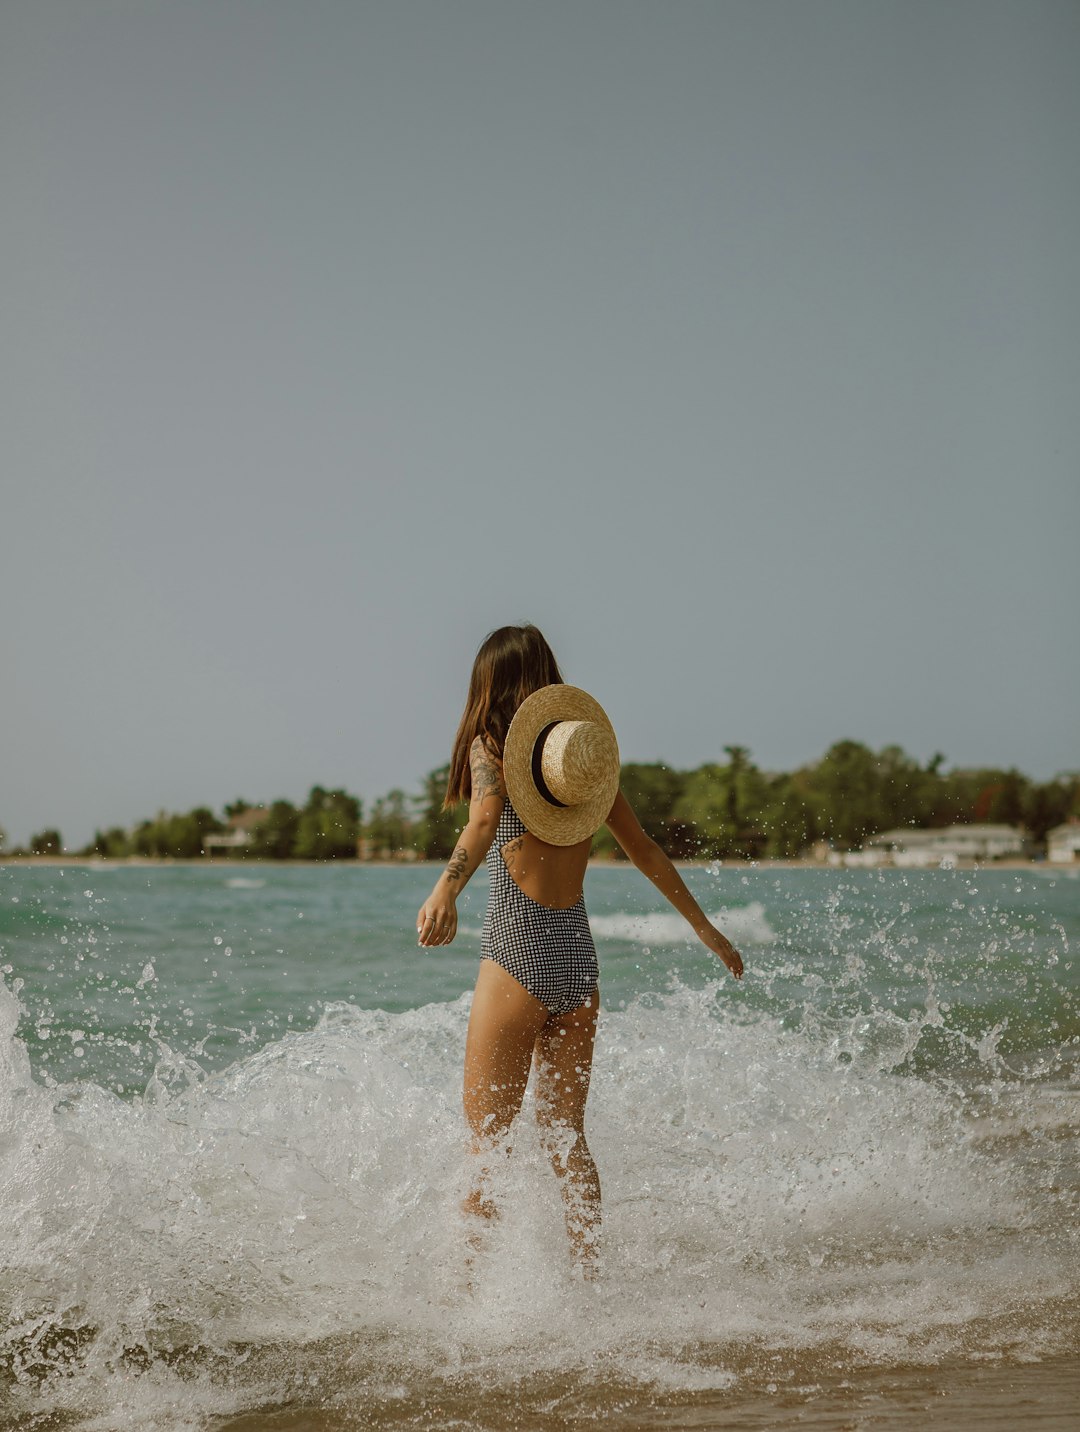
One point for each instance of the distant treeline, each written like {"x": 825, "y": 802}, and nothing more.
{"x": 728, "y": 809}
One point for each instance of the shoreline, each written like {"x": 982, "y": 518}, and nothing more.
{"x": 600, "y": 862}
{"x": 775, "y": 1391}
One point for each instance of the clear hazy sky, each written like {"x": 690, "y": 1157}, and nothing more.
{"x": 735, "y": 344}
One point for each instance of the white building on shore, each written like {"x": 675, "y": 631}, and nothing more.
{"x": 1063, "y": 843}
{"x": 907, "y": 846}
{"x": 241, "y": 827}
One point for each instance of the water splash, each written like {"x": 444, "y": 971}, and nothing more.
{"x": 186, "y": 1248}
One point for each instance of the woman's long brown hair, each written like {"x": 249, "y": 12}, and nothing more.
{"x": 512, "y": 663}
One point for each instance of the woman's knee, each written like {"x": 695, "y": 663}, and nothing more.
{"x": 488, "y": 1117}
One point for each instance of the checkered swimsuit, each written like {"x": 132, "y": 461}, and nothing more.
{"x": 549, "y": 951}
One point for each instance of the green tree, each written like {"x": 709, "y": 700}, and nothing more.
{"x": 111, "y": 844}
{"x": 144, "y": 839}
{"x": 1049, "y": 804}
{"x": 900, "y": 788}
{"x": 182, "y": 835}
{"x": 984, "y": 794}
{"x": 436, "y": 830}
{"x": 389, "y": 830}
{"x": 932, "y": 805}
{"x": 845, "y": 788}
{"x": 788, "y": 816}
{"x": 179, "y": 837}
{"x": 1006, "y": 805}
{"x": 329, "y": 826}
{"x": 46, "y": 842}
{"x": 738, "y": 759}
{"x": 724, "y": 807}
{"x": 274, "y": 838}
{"x": 704, "y": 808}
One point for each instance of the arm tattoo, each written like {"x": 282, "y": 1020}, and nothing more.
{"x": 455, "y": 871}
{"x": 486, "y": 773}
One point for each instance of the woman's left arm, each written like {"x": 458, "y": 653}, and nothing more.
{"x": 436, "y": 920}
{"x": 651, "y": 861}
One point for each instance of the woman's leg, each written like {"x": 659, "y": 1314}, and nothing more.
{"x": 564, "y": 1051}
{"x": 503, "y": 1028}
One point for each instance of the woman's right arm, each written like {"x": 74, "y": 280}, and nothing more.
{"x": 651, "y": 861}
{"x": 436, "y": 920}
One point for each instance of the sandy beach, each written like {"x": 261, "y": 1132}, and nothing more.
{"x": 773, "y": 1394}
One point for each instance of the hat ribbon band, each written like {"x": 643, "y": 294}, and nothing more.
{"x": 537, "y": 767}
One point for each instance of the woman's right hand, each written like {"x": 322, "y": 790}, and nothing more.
{"x": 436, "y": 920}
{"x": 720, "y": 945}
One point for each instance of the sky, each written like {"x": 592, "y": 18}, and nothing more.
{"x": 737, "y": 345}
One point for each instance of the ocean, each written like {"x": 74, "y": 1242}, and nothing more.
{"x": 232, "y": 1154}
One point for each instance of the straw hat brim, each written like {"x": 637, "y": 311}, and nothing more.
{"x": 557, "y": 825}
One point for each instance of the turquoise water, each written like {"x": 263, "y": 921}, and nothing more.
{"x": 232, "y": 1153}
{"x": 119, "y": 963}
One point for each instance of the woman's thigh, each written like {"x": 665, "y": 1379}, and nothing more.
{"x": 564, "y": 1053}
{"x": 504, "y": 1025}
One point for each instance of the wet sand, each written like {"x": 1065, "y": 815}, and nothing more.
{"x": 965, "y": 1397}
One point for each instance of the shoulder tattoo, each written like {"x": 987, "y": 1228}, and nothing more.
{"x": 486, "y": 772}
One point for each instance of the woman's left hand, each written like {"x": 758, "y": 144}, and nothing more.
{"x": 722, "y": 946}
{"x": 436, "y": 920}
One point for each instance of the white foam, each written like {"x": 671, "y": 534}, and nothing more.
{"x": 758, "y": 1192}
{"x": 747, "y": 924}
{"x": 743, "y": 924}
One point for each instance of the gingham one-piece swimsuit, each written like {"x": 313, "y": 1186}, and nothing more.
{"x": 549, "y": 951}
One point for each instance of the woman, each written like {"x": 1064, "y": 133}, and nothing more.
{"x": 537, "y": 994}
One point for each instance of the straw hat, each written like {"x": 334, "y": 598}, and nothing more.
{"x": 561, "y": 764}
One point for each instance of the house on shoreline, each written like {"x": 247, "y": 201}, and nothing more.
{"x": 908, "y": 847}
{"x": 1063, "y": 843}
{"x": 238, "y": 833}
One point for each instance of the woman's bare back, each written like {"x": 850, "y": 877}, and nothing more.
{"x": 551, "y": 875}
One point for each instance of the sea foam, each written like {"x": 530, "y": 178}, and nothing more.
{"x": 760, "y": 1190}
{"x": 747, "y": 924}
